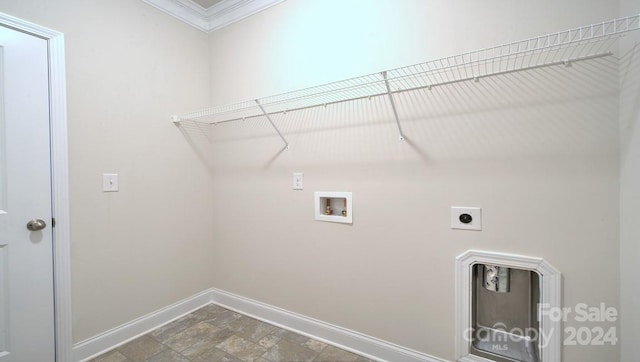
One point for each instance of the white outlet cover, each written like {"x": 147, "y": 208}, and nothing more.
{"x": 474, "y": 212}
{"x": 110, "y": 182}
{"x": 298, "y": 181}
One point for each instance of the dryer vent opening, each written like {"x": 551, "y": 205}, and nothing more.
{"x": 504, "y": 313}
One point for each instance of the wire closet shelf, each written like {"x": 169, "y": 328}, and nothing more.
{"x": 562, "y": 48}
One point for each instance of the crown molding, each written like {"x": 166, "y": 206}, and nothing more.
{"x": 216, "y": 17}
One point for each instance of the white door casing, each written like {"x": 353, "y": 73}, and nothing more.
{"x": 59, "y": 177}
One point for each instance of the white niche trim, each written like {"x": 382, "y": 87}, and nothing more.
{"x": 550, "y": 296}
{"x": 333, "y": 206}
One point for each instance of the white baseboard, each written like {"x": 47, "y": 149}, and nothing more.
{"x": 346, "y": 339}
{"x": 117, "y": 336}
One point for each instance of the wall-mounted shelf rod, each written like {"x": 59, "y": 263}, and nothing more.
{"x": 399, "y": 91}
{"x": 562, "y": 48}
{"x": 286, "y": 144}
{"x": 393, "y": 105}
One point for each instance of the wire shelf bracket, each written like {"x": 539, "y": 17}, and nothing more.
{"x": 555, "y": 49}
{"x": 393, "y": 105}
{"x": 286, "y": 144}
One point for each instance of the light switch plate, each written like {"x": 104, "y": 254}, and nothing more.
{"x": 298, "y": 181}
{"x": 466, "y": 218}
{"x": 110, "y": 182}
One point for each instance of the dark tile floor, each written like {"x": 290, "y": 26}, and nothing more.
{"x": 213, "y": 333}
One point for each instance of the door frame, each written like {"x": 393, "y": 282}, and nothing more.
{"x": 59, "y": 180}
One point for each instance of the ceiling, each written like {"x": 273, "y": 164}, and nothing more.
{"x": 210, "y": 15}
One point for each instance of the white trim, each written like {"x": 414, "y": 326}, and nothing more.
{"x": 343, "y": 338}
{"x": 103, "y": 342}
{"x": 224, "y": 13}
{"x": 184, "y": 11}
{"x": 60, "y": 189}
{"x": 346, "y": 339}
{"x": 60, "y": 179}
{"x": 550, "y": 294}
{"x": 228, "y": 12}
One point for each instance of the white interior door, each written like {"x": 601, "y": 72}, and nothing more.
{"x": 26, "y": 256}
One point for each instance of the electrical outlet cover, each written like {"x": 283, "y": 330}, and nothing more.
{"x": 466, "y": 218}
{"x": 110, "y": 182}
{"x": 298, "y": 181}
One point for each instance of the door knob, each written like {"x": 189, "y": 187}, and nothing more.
{"x": 36, "y": 224}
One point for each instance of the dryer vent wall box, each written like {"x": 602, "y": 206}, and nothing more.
{"x": 333, "y": 206}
